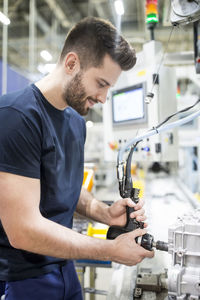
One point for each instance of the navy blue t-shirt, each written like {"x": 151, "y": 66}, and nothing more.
{"x": 39, "y": 141}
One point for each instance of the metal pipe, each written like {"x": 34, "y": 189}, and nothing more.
{"x": 31, "y": 36}
{"x": 156, "y": 131}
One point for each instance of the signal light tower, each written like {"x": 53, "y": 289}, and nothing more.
{"x": 151, "y": 15}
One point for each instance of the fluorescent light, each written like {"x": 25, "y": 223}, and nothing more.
{"x": 4, "y": 19}
{"x": 119, "y": 7}
{"x": 46, "y": 55}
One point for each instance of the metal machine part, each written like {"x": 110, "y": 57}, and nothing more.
{"x": 159, "y": 208}
{"x": 150, "y": 286}
{"x": 147, "y": 242}
{"x": 184, "y": 245}
{"x": 185, "y": 11}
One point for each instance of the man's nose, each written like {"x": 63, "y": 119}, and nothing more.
{"x": 102, "y": 97}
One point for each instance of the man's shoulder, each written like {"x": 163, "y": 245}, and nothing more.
{"x": 20, "y": 109}
{"x": 17, "y": 98}
{"x": 22, "y": 102}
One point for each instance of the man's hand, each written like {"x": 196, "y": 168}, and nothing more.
{"x": 117, "y": 212}
{"x": 126, "y": 251}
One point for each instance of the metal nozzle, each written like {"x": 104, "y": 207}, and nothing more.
{"x": 159, "y": 245}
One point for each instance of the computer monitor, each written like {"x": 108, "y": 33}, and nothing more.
{"x": 128, "y": 105}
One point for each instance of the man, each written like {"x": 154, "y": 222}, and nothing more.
{"x": 42, "y": 138}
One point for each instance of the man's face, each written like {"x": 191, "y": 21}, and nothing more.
{"x": 89, "y": 87}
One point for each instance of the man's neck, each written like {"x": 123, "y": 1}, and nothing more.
{"x": 51, "y": 89}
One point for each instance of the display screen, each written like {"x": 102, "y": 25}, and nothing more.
{"x": 128, "y": 104}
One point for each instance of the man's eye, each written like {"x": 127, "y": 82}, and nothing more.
{"x": 101, "y": 85}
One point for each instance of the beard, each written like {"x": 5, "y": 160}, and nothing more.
{"x": 75, "y": 95}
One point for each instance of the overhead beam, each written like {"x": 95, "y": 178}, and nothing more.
{"x": 70, "y": 10}
{"x": 42, "y": 24}
{"x": 58, "y": 12}
{"x": 99, "y": 8}
{"x": 14, "y": 7}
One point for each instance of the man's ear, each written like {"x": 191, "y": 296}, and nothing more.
{"x": 72, "y": 63}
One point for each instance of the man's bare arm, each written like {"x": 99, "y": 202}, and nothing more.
{"x": 92, "y": 208}
{"x": 27, "y": 229}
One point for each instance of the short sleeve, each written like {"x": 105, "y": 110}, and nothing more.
{"x": 20, "y": 144}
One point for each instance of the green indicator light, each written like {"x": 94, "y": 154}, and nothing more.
{"x": 152, "y": 18}
{"x": 178, "y": 96}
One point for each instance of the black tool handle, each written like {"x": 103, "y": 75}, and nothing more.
{"x": 132, "y": 223}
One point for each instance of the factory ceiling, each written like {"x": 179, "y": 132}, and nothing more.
{"x": 53, "y": 19}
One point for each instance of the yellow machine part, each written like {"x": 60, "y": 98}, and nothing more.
{"x": 96, "y": 232}
{"x": 88, "y": 179}
{"x": 139, "y": 184}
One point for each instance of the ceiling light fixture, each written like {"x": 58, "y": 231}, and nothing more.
{"x": 46, "y": 55}
{"x": 4, "y": 19}
{"x": 119, "y": 7}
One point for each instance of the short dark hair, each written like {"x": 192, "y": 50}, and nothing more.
{"x": 92, "y": 38}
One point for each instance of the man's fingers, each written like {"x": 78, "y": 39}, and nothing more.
{"x": 149, "y": 254}
{"x": 138, "y": 232}
{"x": 130, "y": 203}
{"x": 141, "y": 218}
{"x": 137, "y": 213}
{"x": 139, "y": 205}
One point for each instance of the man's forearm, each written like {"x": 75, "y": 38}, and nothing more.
{"x": 92, "y": 208}
{"x": 49, "y": 238}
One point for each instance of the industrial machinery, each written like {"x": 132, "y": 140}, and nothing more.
{"x": 184, "y": 11}
{"x": 126, "y": 185}
{"x": 183, "y": 276}
{"x": 182, "y": 280}
{"x": 184, "y": 246}
{"x": 183, "y": 236}
{"x": 126, "y": 113}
